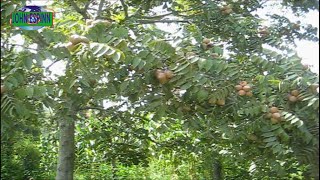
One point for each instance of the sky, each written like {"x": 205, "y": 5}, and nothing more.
{"x": 308, "y": 51}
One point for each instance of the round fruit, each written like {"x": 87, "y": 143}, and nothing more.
{"x": 206, "y": 40}
{"x": 209, "y": 45}
{"x": 242, "y": 93}
{"x": 214, "y": 55}
{"x": 3, "y": 89}
{"x": 252, "y": 137}
{"x": 243, "y": 83}
{"x": 100, "y": 21}
{"x": 89, "y": 22}
{"x": 296, "y": 26}
{"x": 169, "y": 74}
{"x": 227, "y": 11}
{"x": 71, "y": 47}
{"x": 293, "y": 98}
{"x": 88, "y": 114}
{"x": 295, "y": 92}
{"x": 246, "y": 88}
{"x": 204, "y": 46}
{"x": 274, "y": 121}
{"x": 93, "y": 82}
{"x": 75, "y": 39}
{"x": 249, "y": 94}
{"x": 276, "y": 115}
{"x": 264, "y": 32}
{"x": 190, "y": 54}
{"x": 269, "y": 115}
{"x": 162, "y": 77}
{"x": 221, "y": 102}
{"x": 238, "y": 87}
{"x": 212, "y": 101}
{"x": 274, "y": 110}
{"x": 186, "y": 108}
{"x": 158, "y": 71}
{"x": 300, "y": 98}
{"x": 313, "y": 88}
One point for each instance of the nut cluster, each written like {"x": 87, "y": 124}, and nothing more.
{"x": 91, "y": 23}
{"x": 274, "y": 115}
{"x": 163, "y": 76}
{"x": 3, "y": 90}
{"x": 225, "y": 10}
{"x": 220, "y": 102}
{"x": 264, "y": 32}
{"x": 244, "y": 89}
{"x": 206, "y": 44}
{"x": 74, "y": 40}
{"x": 294, "y": 96}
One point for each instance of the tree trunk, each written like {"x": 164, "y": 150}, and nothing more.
{"x": 217, "y": 170}
{"x": 66, "y": 150}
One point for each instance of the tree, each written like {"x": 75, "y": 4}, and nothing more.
{"x": 122, "y": 56}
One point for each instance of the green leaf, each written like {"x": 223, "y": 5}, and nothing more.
{"x": 268, "y": 134}
{"x": 186, "y": 86}
{"x": 110, "y": 52}
{"x": 272, "y": 143}
{"x": 202, "y": 63}
{"x": 9, "y": 9}
{"x": 218, "y": 50}
{"x": 202, "y": 94}
{"x": 181, "y": 67}
{"x": 40, "y": 91}
{"x": 29, "y": 91}
{"x": 20, "y": 93}
{"x": 72, "y": 82}
{"x": 124, "y": 86}
{"x": 270, "y": 139}
{"x": 208, "y": 65}
{"x": 120, "y": 32}
{"x": 116, "y": 57}
{"x": 136, "y": 62}
{"x": 28, "y": 62}
{"x": 102, "y": 51}
{"x": 96, "y": 47}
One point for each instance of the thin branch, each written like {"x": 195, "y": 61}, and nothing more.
{"x": 156, "y": 17}
{"x": 162, "y": 21}
{"x": 76, "y": 7}
{"x": 125, "y": 9}
{"x": 47, "y": 68}
{"x": 86, "y": 6}
{"x": 96, "y": 108}
{"x": 100, "y": 8}
{"x": 25, "y": 47}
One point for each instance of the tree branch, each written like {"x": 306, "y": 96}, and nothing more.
{"x": 86, "y": 6}
{"x": 25, "y": 47}
{"x": 100, "y": 8}
{"x": 125, "y": 8}
{"x": 162, "y": 21}
{"x": 155, "y": 17}
{"x": 96, "y": 108}
{"x": 76, "y": 7}
{"x": 47, "y": 68}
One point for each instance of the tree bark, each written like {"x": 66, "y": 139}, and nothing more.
{"x": 66, "y": 149}
{"x": 217, "y": 170}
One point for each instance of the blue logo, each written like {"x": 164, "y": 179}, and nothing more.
{"x": 32, "y": 18}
